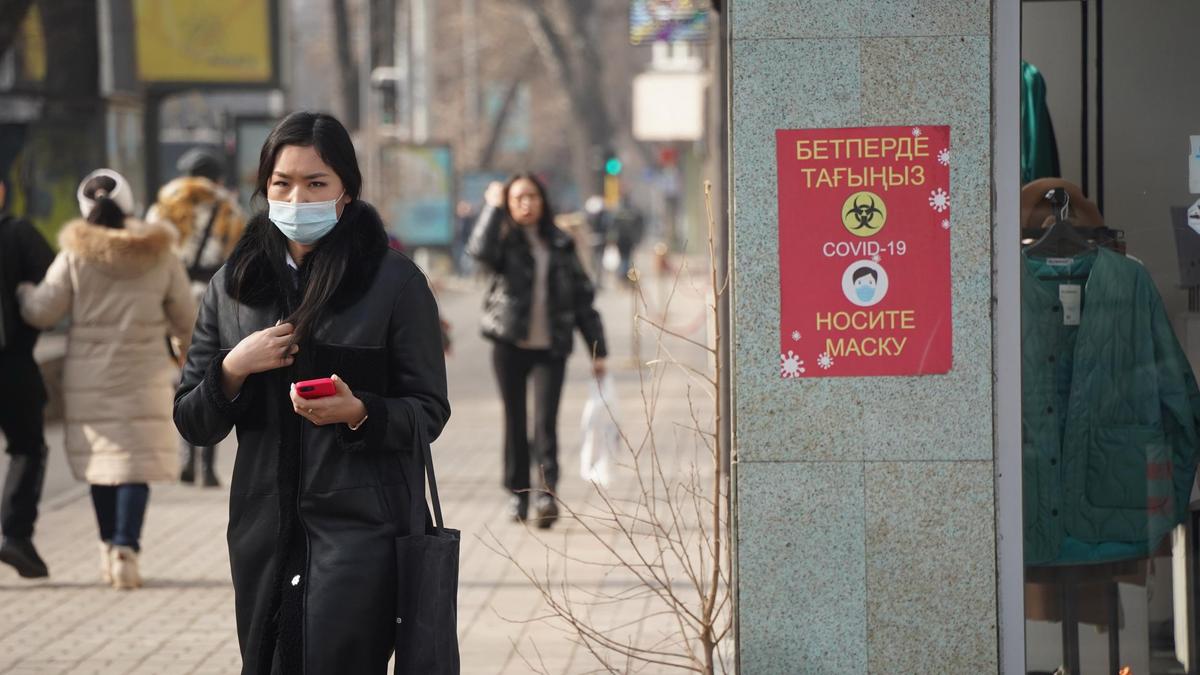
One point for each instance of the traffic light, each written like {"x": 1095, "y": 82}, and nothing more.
{"x": 612, "y": 166}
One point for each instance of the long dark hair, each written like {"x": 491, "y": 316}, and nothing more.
{"x": 105, "y": 212}
{"x": 545, "y": 226}
{"x": 325, "y": 266}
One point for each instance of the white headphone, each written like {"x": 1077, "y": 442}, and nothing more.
{"x": 122, "y": 194}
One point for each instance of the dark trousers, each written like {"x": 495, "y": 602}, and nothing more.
{"x": 187, "y": 457}
{"x": 120, "y": 512}
{"x": 513, "y": 367}
{"x": 21, "y": 420}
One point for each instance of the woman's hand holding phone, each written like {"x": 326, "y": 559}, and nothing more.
{"x": 342, "y": 407}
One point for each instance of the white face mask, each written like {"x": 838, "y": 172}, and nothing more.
{"x": 304, "y": 222}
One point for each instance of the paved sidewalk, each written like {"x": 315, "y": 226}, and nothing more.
{"x": 182, "y": 621}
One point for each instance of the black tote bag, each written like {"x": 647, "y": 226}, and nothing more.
{"x": 426, "y": 576}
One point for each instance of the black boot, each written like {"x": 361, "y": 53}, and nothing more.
{"x": 22, "y": 493}
{"x": 188, "y": 474}
{"x": 21, "y": 554}
{"x": 547, "y": 510}
{"x": 208, "y": 460}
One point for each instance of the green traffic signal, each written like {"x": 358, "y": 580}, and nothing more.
{"x": 612, "y": 167}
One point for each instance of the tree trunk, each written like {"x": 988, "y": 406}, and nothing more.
{"x": 72, "y": 114}
{"x": 72, "y": 83}
{"x": 577, "y": 66}
{"x": 12, "y": 13}
{"x": 496, "y": 129}
{"x": 347, "y": 65}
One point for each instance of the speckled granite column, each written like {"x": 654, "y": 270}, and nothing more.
{"x": 866, "y": 539}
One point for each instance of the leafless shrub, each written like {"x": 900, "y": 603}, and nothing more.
{"x": 662, "y": 529}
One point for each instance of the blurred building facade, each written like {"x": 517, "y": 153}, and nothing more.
{"x": 441, "y": 96}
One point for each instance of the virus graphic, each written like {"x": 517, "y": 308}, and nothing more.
{"x": 945, "y": 223}
{"x": 825, "y": 361}
{"x": 877, "y": 258}
{"x": 795, "y": 336}
{"x": 939, "y": 200}
{"x": 916, "y": 132}
{"x": 944, "y": 157}
{"x": 790, "y": 365}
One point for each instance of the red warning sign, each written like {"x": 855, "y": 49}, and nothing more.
{"x": 864, "y": 251}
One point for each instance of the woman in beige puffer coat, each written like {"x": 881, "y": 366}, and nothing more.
{"x": 125, "y": 291}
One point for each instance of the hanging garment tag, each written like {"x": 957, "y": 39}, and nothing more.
{"x": 1070, "y": 296}
{"x": 1060, "y": 262}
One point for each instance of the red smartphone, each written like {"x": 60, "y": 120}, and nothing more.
{"x": 318, "y": 388}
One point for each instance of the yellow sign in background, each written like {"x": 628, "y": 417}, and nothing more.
{"x": 204, "y": 40}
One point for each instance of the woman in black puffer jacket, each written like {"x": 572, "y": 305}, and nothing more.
{"x": 538, "y": 295}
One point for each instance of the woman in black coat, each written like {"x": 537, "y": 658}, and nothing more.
{"x": 539, "y": 295}
{"x": 312, "y": 290}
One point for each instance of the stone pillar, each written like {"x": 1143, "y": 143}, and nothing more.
{"x": 865, "y": 508}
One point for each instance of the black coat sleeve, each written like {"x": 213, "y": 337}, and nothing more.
{"x": 36, "y": 254}
{"x": 487, "y": 239}
{"x": 203, "y": 415}
{"x": 587, "y": 319}
{"x": 417, "y": 374}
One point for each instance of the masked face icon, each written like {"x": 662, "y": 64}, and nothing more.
{"x": 865, "y": 282}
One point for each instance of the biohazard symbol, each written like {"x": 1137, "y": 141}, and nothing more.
{"x": 864, "y": 214}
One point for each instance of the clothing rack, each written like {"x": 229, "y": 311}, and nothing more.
{"x": 1086, "y": 102}
{"x": 1069, "y": 595}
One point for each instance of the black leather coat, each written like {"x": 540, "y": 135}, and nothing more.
{"x": 506, "y": 253}
{"x": 24, "y": 257}
{"x": 310, "y": 539}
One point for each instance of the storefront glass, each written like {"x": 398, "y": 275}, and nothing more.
{"x": 1110, "y": 335}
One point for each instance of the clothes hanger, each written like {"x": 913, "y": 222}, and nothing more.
{"x": 1062, "y": 239}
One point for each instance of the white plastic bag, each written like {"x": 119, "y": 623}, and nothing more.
{"x": 601, "y": 437}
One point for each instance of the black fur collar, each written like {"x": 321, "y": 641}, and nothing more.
{"x": 267, "y": 278}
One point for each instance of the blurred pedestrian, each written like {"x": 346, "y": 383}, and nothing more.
{"x": 630, "y": 227}
{"x": 312, "y": 290}
{"x": 24, "y": 258}
{"x": 124, "y": 290}
{"x": 209, "y": 223}
{"x": 597, "y": 219}
{"x": 464, "y": 222}
{"x": 538, "y": 295}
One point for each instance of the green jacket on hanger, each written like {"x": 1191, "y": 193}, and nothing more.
{"x": 1110, "y": 412}
{"x": 1039, "y": 149}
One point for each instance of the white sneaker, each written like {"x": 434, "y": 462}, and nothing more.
{"x": 106, "y": 562}
{"x": 125, "y": 573}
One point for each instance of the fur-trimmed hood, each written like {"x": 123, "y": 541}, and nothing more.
{"x": 266, "y": 279}
{"x": 125, "y": 253}
{"x": 188, "y": 204}
{"x": 190, "y": 191}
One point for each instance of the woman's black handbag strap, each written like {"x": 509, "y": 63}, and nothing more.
{"x": 415, "y": 479}
{"x": 417, "y": 511}
{"x": 194, "y": 268}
